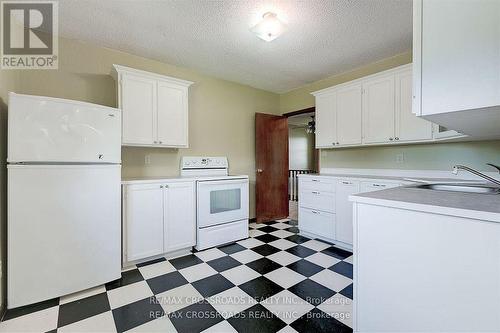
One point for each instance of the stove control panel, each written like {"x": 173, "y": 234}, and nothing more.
{"x": 193, "y": 162}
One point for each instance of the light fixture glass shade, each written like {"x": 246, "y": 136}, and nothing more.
{"x": 269, "y": 28}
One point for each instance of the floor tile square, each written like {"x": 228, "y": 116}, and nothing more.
{"x": 312, "y": 292}
{"x": 103, "y": 322}
{"x": 301, "y": 251}
{"x": 38, "y": 321}
{"x": 316, "y": 245}
{"x": 210, "y": 254}
{"x": 222, "y": 327}
{"x": 156, "y": 269}
{"x": 256, "y": 319}
{"x": 349, "y": 260}
{"x": 82, "y": 294}
{"x": 305, "y": 267}
{"x": 263, "y": 265}
{"x": 285, "y": 277}
{"x": 287, "y": 306}
{"x": 347, "y": 291}
{"x": 338, "y": 307}
{"x": 270, "y": 222}
{"x": 82, "y": 309}
{"x": 166, "y": 282}
{"x": 267, "y": 238}
{"x": 224, "y": 263}
{"x": 178, "y": 298}
{"x": 24, "y": 310}
{"x": 297, "y": 239}
{"x": 322, "y": 259}
{"x": 255, "y": 233}
{"x": 158, "y": 325}
{"x": 281, "y": 225}
{"x": 282, "y": 244}
{"x": 257, "y": 225}
{"x": 282, "y": 233}
{"x": 240, "y": 274}
{"x": 232, "y": 301}
{"x": 128, "y": 294}
{"x": 137, "y": 313}
{"x": 265, "y": 249}
{"x": 331, "y": 280}
{"x": 250, "y": 242}
{"x": 185, "y": 261}
{"x": 197, "y": 272}
{"x": 150, "y": 262}
{"x": 184, "y": 322}
{"x": 336, "y": 252}
{"x": 294, "y": 230}
{"x": 343, "y": 268}
{"x": 260, "y": 288}
{"x": 318, "y": 321}
{"x": 246, "y": 256}
{"x": 283, "y": 258}
{"x": 268, "y": 229}
{"x": 128, "y": 277}
{"x": 212, "y": 285}
{"x": 231, "y": 248}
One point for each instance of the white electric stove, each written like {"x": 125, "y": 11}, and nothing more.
{"x": 222, "y": 201}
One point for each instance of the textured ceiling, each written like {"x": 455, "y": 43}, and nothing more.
{"x": 323, "y": 37}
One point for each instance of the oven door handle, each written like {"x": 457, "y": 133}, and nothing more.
{"x": 205, "y": 183}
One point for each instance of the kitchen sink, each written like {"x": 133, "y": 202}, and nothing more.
{"x": 467, "y": 188}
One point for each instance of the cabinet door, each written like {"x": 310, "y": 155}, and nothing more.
{"x": 349, "y": 115}
{"x": 344, "y": 225}
{"x": 138, "y": 104}
{"x": 378, "y": 109}
{"x": 408, "y": 126}
{"x": 317, "y": 222}
{"x": 172, "y": 115}
{"x": 326, "y": 122}
{"x": 180, "y": 223}
{"x": 143, "y": 234}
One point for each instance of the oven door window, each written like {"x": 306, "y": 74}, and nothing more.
{"x": 225, "y": 200}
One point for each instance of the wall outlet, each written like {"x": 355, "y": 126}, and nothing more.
{"x": 147, "y": 159}
{"x": 400, "y": 158}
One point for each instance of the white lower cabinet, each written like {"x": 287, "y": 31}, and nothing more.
{"x": 157, "y": 218}
{"x": 317, "y": 222}
{"x": 345, "y": 188}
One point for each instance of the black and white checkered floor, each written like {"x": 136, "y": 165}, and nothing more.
{"x": 273, "y": 281}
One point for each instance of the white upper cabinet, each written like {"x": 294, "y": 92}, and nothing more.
{"x": 155, "y": 108}
{"x": 456, "y": 55}
{"x": 326, "y": 125}
{"x": 348, "y": 111}
{"x": 378, "y": 109}
{"x": 408, "y": 126}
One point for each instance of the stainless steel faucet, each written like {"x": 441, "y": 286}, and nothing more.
{"x": 477, "y": 173}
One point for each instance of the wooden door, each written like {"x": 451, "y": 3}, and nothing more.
{"x": 144, "y": 221}
{"x": 378, "y": 109}
{"x": 271, "y": 160}
{"x": 172, "y": 115}
{"x": 349, "y": 115}
{"x": 180, "y": 221}
{"x": 326, "y": 127}
{"x": 138, "y": 96}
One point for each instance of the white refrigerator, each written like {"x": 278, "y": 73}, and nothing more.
{"x": 64, "y": 222}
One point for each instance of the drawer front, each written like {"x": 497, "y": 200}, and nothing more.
{"x": 376, "y": 186}
{"x": 317, "y": 184}
{"x": 316, "y": 222}
{"x": 312, "y": 199}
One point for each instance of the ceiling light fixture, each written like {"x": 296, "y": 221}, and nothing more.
{"x": 269, "y": 28}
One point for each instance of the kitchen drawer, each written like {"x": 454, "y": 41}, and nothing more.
{"x": 312, "y": 199}
{"x": 317, "y": 184}
{"x": 317, "y": 222}
{"x": 376, "y": 186}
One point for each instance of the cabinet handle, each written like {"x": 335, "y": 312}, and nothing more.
{"x": 314, "y": 212}
{"x": 315, "y": 192}
{"x": 396, "y": 138}
{"x": 390, "y": 139}
{"x": 160, "y": 142}
{"x": 378, "y": 185}
{"x": 161, "y": 186}
{"x": 333, "y": 143}
{"x": 166, "y": 186}
{"x": 338, "y": 143}
{"x": 347, "y": 183}
{"x": 314, "y": 180}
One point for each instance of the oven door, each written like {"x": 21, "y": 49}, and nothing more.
{"x": 222, "y": 201}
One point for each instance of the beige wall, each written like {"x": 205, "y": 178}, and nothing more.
{"x": 429, "y": 156}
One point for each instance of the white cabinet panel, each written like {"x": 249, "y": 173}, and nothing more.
{"x": 348, "y": 112}
{"x": 180, "y": 223}
{"x": 172, "y": 115}
{"x": 344, "y": 225}
{"x": 324, "y": 201}
{"x": 325, "y": 121}
{"x": 138, "y": 104}
{"x": 317, "y": 222}
{"x": 378, "y": 109}
{"x": 408, "y": 126}
{"x": 143, "y": 221}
